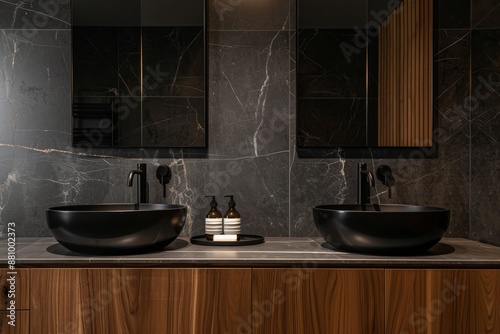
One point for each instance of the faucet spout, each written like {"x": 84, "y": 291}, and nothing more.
{"x": 130, "y": 179}
{"x": 365, "y": 182}
{"x": 142, "y": 183}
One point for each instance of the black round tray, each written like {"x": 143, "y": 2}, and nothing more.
{"x": 245, "y": 240}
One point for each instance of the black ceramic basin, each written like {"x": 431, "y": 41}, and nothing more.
{"x": 385, "y": 228}
{"x": 116, "y": 228}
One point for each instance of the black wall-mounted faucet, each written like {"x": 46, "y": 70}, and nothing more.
{"x": 365, "y": 182}
{"x": 384, "y": 174}
{"x": 142, "y": 183}
{"x": 164, "y": 174}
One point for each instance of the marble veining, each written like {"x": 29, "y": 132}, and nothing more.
{"x": 485, "y": 141}
{"x": 251, "y": 128}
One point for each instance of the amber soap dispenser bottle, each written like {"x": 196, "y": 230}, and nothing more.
{"x": 232, "y": 219}
{"x": 213, "y": 220}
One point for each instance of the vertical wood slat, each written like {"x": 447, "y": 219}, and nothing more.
{"x": 430, "y": 56}
{"x": 415, "y": 34}
{"x": 423, "y": 66}
{"x": 406, "y": 71}
{"x": 405, "y": 76}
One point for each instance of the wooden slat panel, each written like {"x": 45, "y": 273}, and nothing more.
{"x": 320, "y": 301}
{"x": 405, "y": 76}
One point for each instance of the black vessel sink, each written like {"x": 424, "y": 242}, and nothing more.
{"x": 381, "y": 229}
{"x": 116, "y": 228}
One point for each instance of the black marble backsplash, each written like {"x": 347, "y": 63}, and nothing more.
{"x": 251, "y": 118}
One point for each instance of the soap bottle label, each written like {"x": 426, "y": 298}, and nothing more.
{"x": 232, "y": 226}
{"x": 213, "y": 226}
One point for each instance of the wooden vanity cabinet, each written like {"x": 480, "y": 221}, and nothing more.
{"x": 139, "y": 300}
{"x": 264, "y": 300}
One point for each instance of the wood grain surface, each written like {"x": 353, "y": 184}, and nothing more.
{"x": 443, "y": 301}
{"x": 317, "y": 301}
{"x": 405, "y": 76}
{"x": 22, "y": 323}
{"x": 139, "y": 300}
{"x": 22, "y": 289}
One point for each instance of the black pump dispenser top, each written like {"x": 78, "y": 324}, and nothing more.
{"x": 213, "y": 202}
{"x": 231, "y": 211}
{"x": 231, "y": 203}
{"x": 213, "y": 213}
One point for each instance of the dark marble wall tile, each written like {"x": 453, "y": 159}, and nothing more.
{"x": 485, "y": 14}
{"x": 485, "y": 179}
{"x": 293, "y": 15}
{"x": 36, "y": 74}
{"x": 486, "y": 81}
{"x": 452, "y": 63}
{"x": 245, "y": 15}
{"x": 453, "y": 14}
{"x": 485, "y": 150}
{"x": 32, "y": 15}
{"x": 40, "y": 179}
{"x": 249, "y": 126}
{"x": 261, "y": 193}
{"x": 317, "y": 182}
{"x": 248, "y": 93}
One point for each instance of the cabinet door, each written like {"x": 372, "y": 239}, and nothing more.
{"x": 208, "y": 301}
{"x": 138, "y": 300}
{"x": 20, "y": 285}
{"x": 443, "y": 301}
{"x": 316, "y": 301}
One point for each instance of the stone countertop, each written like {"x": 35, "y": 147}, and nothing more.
{"x": 449, "y": 253}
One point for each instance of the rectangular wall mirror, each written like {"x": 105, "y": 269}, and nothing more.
{"x": 139, "y": 73}
{"x": 365, "y": 73}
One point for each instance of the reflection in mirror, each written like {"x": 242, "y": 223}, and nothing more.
{"x": 139, "y": 73}
{"x": 364, "y": 73}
